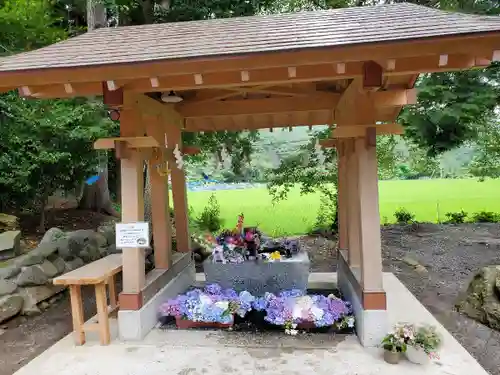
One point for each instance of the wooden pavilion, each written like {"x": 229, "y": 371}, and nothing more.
{"x": 353, "y": 69}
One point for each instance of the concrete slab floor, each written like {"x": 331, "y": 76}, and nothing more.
{"x": 216, "y": 352}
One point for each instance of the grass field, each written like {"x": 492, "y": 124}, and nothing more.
{"x": 427, "y": 199}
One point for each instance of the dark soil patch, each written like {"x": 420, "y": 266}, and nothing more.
{"x": 65, "y": 219}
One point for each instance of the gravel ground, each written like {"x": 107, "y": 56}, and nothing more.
{"x": 451, "y": 255}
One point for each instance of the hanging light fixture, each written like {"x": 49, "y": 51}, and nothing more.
{"x": 171, "y": 97}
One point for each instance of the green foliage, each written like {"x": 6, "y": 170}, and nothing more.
{"x": 456, "y": 217}
{"x": 403, "y": 216}
{"x": 486, "y": 160}
{"x": 485, "y": 217}
{"x": 327, "y": 217}
{"x": 427, "y": 338}
{"x": 46, "y": 145}
{"x": 393, "y": 343}
{"x": 27, "y": 24}
{"x": 210, "y": 218}
{"x": 446, "y": 114}
{"x": 304, "y": 168}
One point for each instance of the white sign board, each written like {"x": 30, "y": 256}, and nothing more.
{"x": 132, "y": 235}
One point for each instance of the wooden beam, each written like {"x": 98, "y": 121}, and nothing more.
{"x": 328, "y": 143}
{"x": 131, "y": 142}
{"x": 267, "y": 121}
{"x": 474, "y": 44}
{"x": 256, "y": 106}
{"x": 112, "y": 95}
{"x": 150, "y": 106}
{"x": 372, "y": 75}
{"x": 258, "y": 77}
{"x": 132, "y": 204}
{"x": 393, "y": 98}
{"x": 190, "y": 150}
{"x": 231, "y": 80}
{"x": 316, "y": 102}
{"x": 355, "y": 131}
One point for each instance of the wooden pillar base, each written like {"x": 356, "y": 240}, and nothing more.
{"x": 130, "y": 301}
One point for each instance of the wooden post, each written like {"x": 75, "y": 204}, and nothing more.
{"x": 342, "y": 195}
{"x": 353, "y": 209}
{"x": 132, "y": 190}
{"x": 162, "y": 231}
{"x": 371, "y": 249}
{"x": 179, "y": 193}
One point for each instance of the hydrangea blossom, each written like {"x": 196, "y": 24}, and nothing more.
{"x": 292, "y": 307}
{"x": 212, "y": 304}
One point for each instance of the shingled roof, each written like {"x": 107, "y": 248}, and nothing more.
{"x": 244, "y": 35}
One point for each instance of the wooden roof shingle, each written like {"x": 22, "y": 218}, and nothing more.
{"x": 245, "y": 35}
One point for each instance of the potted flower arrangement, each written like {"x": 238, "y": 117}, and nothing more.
{"x": 210, "y": 307}
{"x": 424, "y": 345}
{"x": 294, "y": 310}
{"x": 396, "y": 342}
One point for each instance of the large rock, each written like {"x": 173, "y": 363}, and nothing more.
{"x": 73, "y": 264}
{"x": 10, "y": 244}
{"x": 482, "y": 299}
{"x": 8, "y": 222}
{"x": 29, "y": 260}
{"x": 10, "y": 306}
{"x": 35, "y": 294}
{"x": 52, "y": 235}
{"x": 90, "y": 253}
{"x": 48, "y": 269}
{"x": 109, "y": 232}
{"x": 10, "y": 271}
{"x": 59, "y": 264}
{"x": 87, "y": 241}
{"x": 54, "y": 240}
{"x": 7, "y": 287}
{"x": 31, "y": 276}
{"x": 113, "y": 250}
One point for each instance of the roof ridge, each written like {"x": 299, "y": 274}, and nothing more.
{"x": 267, "y": 15}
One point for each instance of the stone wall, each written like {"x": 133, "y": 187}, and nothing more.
{"x": 26, "y": 281}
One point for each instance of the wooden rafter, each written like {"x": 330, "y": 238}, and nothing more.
{"x": 355, "y": 131}
{"x": 231, "y": 79}
{"x": 313, "y": 102}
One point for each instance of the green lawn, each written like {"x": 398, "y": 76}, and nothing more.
{"x": 425, "y": 198}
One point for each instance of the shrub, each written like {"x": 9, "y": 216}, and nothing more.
{"x": 456, "y": 217}
{"x": 403, "y": 216}
{"x": 210, "y": 218}
{"x": 485, "y": 217}
{"x": 327, "y": 213}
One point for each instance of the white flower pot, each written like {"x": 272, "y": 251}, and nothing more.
{"x": 417, "y": 355}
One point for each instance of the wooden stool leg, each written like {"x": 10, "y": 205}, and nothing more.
{"x": 75, "y": 293}
{"x": 113, "y": 301}
{"x": 102, "y": 313}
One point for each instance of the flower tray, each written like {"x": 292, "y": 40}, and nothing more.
{"x": 185, "y": 324}
{"x": 306, "y": 325}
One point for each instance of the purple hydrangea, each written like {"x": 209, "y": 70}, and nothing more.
{"x": 293, "y": 307}
{"x": 211, "y": 304}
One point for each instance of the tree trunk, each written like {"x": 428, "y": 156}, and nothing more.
{"x": 44, "y": 201}
{"x": 148, "y": 11}
{"x": 96, "y": 197}
{"x": 96, "y": 15}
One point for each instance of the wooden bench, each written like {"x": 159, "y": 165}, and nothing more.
{"x": 99, "y": 273}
